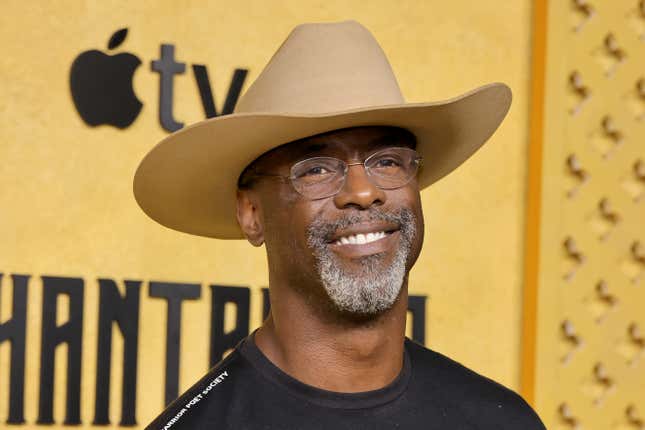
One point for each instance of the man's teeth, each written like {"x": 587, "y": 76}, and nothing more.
{"x": 360, "y": 239}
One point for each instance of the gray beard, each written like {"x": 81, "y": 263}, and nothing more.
{"x": 375, "y": 287}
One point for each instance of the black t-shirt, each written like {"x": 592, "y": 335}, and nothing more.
{"x": 247, "y": 391}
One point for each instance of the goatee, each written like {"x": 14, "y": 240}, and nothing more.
{"x": 376, "y": 285}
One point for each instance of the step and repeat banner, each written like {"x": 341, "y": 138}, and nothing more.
{"x": 106, "y": 316}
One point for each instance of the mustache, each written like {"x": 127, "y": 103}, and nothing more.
{"x": 321, "y": 231}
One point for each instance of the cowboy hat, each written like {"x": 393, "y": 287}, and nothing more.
{"x": 324, "y": 77}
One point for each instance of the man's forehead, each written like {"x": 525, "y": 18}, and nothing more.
{"x": 360, "y": 137}
{"x": 356, "y": 139}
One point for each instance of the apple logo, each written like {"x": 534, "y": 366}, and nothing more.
{"x": 101, "y": 85}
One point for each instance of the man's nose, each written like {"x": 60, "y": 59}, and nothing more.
{"x": 358, "y": 190}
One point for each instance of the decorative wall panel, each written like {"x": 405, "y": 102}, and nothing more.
{"x": 591, "y": 308}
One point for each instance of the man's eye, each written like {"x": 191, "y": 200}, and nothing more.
{"x": 315, "y": 171}
{"x": 387, "y": 162}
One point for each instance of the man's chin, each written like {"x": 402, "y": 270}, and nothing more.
{"x": 366, "y": 292}
{"x": 364, "y": 310}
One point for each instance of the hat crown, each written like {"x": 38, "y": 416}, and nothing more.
{"x": 323, "y": 68}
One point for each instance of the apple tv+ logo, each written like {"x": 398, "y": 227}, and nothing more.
{"x": 101, "y": 86}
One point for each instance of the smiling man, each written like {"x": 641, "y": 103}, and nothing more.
{"x": 322, "y": 163}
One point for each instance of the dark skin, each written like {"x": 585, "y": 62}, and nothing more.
{"x": 349, "y": 353}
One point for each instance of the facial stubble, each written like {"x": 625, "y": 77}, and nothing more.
{"x": 375, "y": 285}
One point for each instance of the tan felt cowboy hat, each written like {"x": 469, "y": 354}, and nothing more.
{"x": 324, "y": 77}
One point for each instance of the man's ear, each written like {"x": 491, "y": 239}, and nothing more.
{"x": 249, "y": 217}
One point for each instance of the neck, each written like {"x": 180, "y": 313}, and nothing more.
{"x": 354, "y": 356}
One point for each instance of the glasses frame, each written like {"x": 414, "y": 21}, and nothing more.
{"x": 416, "y": 159}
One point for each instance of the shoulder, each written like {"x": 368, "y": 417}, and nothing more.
{"x": 470, "y": 393}
{"x": 207, "y": 401}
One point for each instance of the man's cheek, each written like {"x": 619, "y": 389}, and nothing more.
{"x": 277, "y": 230}
{"x": 295, "y": 227}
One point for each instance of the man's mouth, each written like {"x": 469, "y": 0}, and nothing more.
{"x": 362, "y": 233}
{"x": 361, "y": 239}
{"x": 360, "y": 245}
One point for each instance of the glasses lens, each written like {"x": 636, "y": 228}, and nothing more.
{"x": 318, "y": 177}
{"x": 392, "y": 167}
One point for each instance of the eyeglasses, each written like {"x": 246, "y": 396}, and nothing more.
{"x": 321, "y": 177}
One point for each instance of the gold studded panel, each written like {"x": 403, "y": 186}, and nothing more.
{"x": 590, "y": 367}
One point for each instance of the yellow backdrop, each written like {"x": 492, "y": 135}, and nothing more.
{"x": 66, "y": 201}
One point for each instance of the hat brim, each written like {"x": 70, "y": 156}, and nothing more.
{"x": 188, "y": 181}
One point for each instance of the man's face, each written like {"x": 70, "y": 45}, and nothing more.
{"x": 316, "y": 245}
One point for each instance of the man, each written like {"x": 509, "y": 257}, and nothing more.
{"x": 322, "y": 162}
